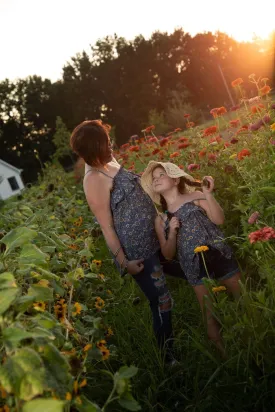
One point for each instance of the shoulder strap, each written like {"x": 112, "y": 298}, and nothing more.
{"x": 100, "y": 171}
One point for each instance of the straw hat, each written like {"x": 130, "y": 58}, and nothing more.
{"x": 172, "y": 171}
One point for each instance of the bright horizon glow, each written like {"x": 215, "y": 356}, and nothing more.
{"x": 40, "y": 36}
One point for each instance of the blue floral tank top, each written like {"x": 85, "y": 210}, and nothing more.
{"x": 134, "y": 215}
{"x": 196, "y": 229}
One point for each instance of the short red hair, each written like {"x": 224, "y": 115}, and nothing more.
{"x": 90, "y": 140}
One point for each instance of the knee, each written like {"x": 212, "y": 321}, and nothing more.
{"x": 165, "y": 302}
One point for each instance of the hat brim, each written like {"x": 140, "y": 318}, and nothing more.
{"x": 172, "y": 171}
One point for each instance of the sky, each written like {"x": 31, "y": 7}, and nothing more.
{"x": 40, "y": 36}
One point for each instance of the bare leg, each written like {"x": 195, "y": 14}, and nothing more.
{"x": 232, "y": 284}
{"x": 213, "y": 327}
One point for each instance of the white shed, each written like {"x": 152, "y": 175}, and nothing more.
{"x": 10, "y": 180}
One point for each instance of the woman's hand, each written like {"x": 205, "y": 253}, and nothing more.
{"x": 174, "y": 224}
{"x": 135, "y": 266}
{"x": 207, "y": 184}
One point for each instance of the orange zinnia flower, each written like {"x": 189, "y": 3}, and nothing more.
{"x": 210, "y": 130}
{"x": 190, "y": 124}
{"x": 237, "y": 82}
{"x": 234, "y": 123}
{"x": 255, "y": 109}
{"x": 183, "y": 139}
{"x": 221, "y": 111}
{"x": 134, "y": 149}
{"x": 175, "y": 154}
{"x": 155, "y": 151}
{"x": 149, "y": 129}
{"x": 265, "y": 90}
{"x": 183, "y": 145}
{"x": 164, "y": 141}
{"x": 202, "y": 153}
{"x": 178, "y": 129}
{"x": 243, "y": 153}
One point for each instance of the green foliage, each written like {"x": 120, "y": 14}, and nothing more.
{"x": 61, "y": 140}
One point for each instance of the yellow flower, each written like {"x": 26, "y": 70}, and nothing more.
{"x": 40, "y": 306}
{"x": 78, "y": 400}
{"x": 101, "y": 343}
{"x": 77, "y": 310}
{"x": 97, "y": 262}
{"x": 75, "y": 386}
{"x": 109, "y": 332}
{"x": 201, "y": 249}
{"x": 85, "y": 232}
{"x": 68, "y": 396}
{"x": 218, "y": 289}
{"x": 233, "y": 156}
{"x": 83, "y": 383}
{"x": 99, "y": 304}
{"x": 87, "y": 347}
{"x": 73, "y": 230}
{"x": 105, "y": 353}
{"x": 272, "y": 127}
{"x": 101, "y": 276}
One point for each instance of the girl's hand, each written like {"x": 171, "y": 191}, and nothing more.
{"x": 207, "y": 184}
{"x": 174, "y": 224}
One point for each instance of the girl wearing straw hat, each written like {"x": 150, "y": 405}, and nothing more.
{"x": 188, "y": 226}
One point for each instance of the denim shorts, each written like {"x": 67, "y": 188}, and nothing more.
{"x": 218, "y": 266}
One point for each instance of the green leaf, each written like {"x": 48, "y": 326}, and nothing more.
{"x": 15, "y": 335}
{"x": 45, "y": 405}
{"x": 5, "y": 379}
{"x": 23, "y": 302}
{"x": 7, "y": 280}
{"x": 18, "y": 237}
{"x": 28, "y": 359}
{"x": 48, "y": 249}
{"x": 7, "y": 297}
{"x": 2, "y": 267}
{"x": 127, "y": 372}
{"x": 87, "y": 406}
{"x": 31, "y": 254}
{"x": 129, "y": 403}
{"x": 31, "y": 385}
{"x": 40, "y": 293}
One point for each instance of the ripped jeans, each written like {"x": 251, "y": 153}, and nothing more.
{"x": 152, "y": 282}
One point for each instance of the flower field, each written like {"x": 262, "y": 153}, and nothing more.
{"x": 76, "y": 337}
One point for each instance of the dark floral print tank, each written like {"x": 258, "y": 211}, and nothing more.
{"x": 134, "y": 216}
{"x": 196, "y": 229}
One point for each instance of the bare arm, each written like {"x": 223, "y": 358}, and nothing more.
{"x": 97, "y": 193}
{"x": 168, "y": 246}
{"x": 212, "y": 208}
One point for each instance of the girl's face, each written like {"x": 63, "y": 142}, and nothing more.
{"x": 162, "y": 182}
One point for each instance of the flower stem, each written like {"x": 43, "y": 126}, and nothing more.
{"x": 202, "y": 255}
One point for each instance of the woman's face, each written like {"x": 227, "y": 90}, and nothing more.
{"x": 162, "y": 182}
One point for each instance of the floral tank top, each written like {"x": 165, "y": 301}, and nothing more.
{"x": 196, "y": 229}
{"x": 133, "y": 215}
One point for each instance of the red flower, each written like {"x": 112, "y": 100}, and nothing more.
{"x": 190, "y": 124}
{"x": 134, "y": 149}
{"x": 234, "y": 123}
{"x": 187, "y": 115}
{"x": 212, "y": 157}
{"x": 183, "y": 145}
{"x": 131, "y": 167}
{"x": 149, "y": 129}
{"x": 221, "y": 110}
{"x": 253, "y": 218}
{"x": 217, "y": 139}
{"x": 265, "y": 90}
{"x": 262, "y": 235}
{"x": 237, "y": 82}
{"x": 210, "y": 130}
{"x": 183, "y": 139}
{"x": 175, "y": 154}
{"x": 256, "y": 109}
{"x": 243, "y": 153}
{"x": 152, "y": 140}
{"x": 155, "y": 151}
{"x": 227, "y": 144}
{"x": 164, "y": 141}
{"x": 124, "y": 146}
{"x": 234, "y": 141}
{"x": 178, "y": 129}
{"x": 202, "y": 153}
{"x": 193, "y": 166}
{"x": 181, "y": 167}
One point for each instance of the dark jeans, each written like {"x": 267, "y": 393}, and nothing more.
{"x": 153, "y": 284}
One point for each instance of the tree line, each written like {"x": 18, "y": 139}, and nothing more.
{"x": 125, "y": 82}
